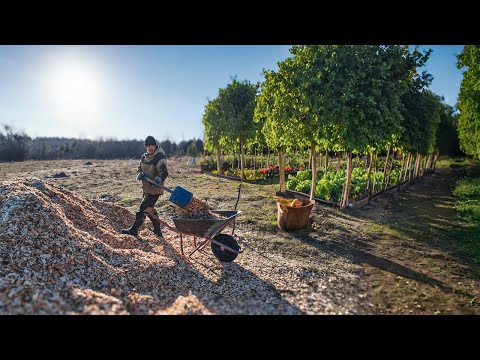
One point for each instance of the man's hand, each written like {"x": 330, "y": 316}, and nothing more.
{"x": 158, "y": 179}
{"x": 141, "y": 176}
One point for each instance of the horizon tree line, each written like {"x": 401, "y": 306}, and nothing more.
{"x": 18, "y": 146}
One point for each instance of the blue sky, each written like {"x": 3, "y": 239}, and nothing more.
{"x": 129, "y": 92}
{"x": 442, "y": 64}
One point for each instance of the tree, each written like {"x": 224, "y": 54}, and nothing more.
{"x": 273, "y": 109}
{"x": 215, "y": 129}
{"x": 305, "y": 83}
{"x": 192, "y": 149}
{"x": 469, "y": 101}
{"x": 13, "y": 146}
{"x": 362, "y": 97}
{"x": 236, "y": 105}
{"x": 199, "y": 146}
{"x": 447, "y": 138}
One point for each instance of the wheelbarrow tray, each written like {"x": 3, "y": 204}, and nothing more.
{"x": 205, "y": 227}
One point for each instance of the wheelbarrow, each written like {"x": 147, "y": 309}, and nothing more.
{"x": 224, "y": 246}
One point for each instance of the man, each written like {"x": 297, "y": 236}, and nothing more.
{"x": 153, "y": 164}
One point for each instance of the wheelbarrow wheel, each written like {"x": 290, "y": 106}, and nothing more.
{"x": 223, "y": 254}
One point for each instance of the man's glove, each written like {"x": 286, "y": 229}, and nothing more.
{"x": 158, "y": 179}
{"x": 141, "y": 176}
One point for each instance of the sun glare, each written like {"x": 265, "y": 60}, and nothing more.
{"x": 74, "y": 86}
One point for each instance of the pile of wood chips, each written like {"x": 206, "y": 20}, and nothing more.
{"x": 63, "y": 254}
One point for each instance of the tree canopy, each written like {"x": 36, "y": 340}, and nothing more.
{"x": 469, "y": 101}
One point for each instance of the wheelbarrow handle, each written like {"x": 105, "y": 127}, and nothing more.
{"x": 159, "y": 185}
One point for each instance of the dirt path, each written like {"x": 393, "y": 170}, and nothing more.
{"x": 408, "y": 259}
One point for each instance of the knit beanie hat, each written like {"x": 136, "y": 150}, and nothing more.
{"x": 150, "y": 140}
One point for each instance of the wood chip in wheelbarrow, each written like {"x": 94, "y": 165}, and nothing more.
{"x": 197, "y": 209}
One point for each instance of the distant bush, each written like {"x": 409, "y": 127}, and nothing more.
{"x": 208, "y": 164}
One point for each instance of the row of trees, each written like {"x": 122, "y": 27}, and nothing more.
{"x": 469, "y": 101}
{"x": 19, "y": 146}
{"x": 350, "y": 98}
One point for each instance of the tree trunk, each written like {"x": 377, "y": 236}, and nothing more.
{"x": 348, "y": 178}
{"x": 255, "y": 158}
{"x": 415, "y": 167}
{"x": 261, "y": 158}
{"x": 268, "y": 157}
{"x": 385, "y": 168}
{"x": 407, "y": 168}
{"x": 281, "y": 161}
{"x": 418, "y": 165}
{"x": 314, "y": 171}
{"x": 369, "y": 173}
{"x": 326, "y": 161}
{"x": 240, "y": 149}
{"x": 219, "y": 165}
{"x": 414, "y": 172}
{"x": 401, "y": 169}
{"x": 410, "y": 168}
{"x": 318, "y": 160}
{"x": 339, "y": 161}
{"x": 390, "y": 169}
{"x": 404, "y": 173}
{"x": 242, "y": 157}
{"x": 310, "y": 160}
{"x": 374, "y": 173}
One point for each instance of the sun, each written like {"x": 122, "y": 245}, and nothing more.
{"x": 74, "y": 86}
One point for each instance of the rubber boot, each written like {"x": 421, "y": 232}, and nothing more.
{"x": 156, "y": 226}
{"x": 133, "y": 230}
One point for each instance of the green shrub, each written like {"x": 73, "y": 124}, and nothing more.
{"x": 304, "y": 186}
{"x": 292, "y": 183}
{"x": 469, "y": 210}
{"x": 208, "y": 164}
{"x": 324, "y": 189}
{"x": 304, "y": 175}
{"x": 467, "y": 188}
